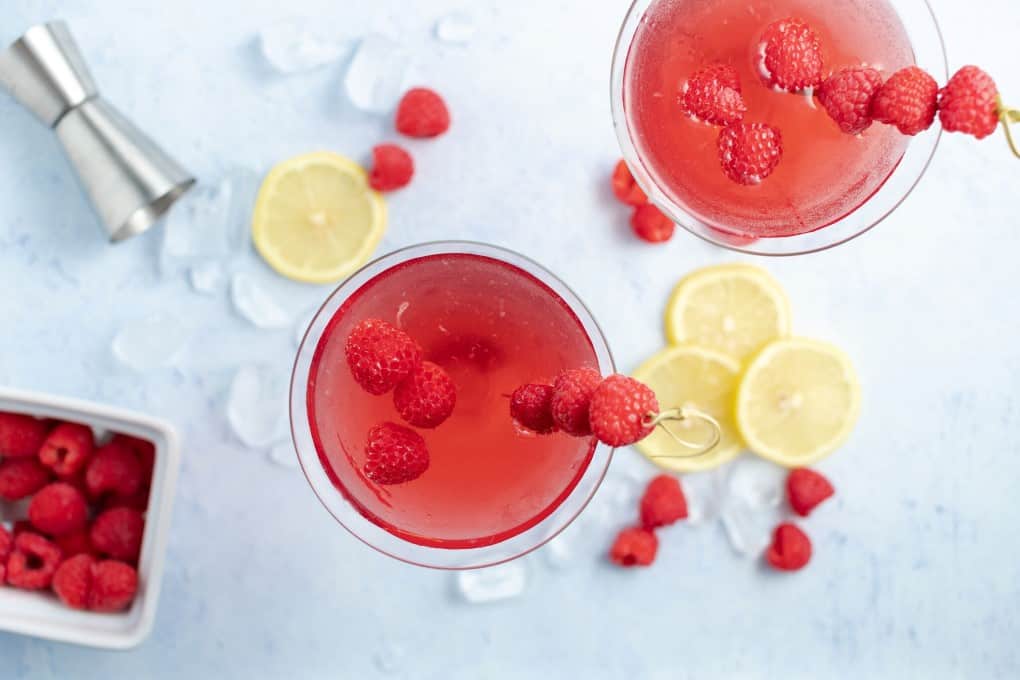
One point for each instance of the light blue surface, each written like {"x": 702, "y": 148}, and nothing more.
{"x": 917, "y": 567}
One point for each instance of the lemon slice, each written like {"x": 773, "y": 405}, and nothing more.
{"x": 694, "y": 377}
{"x": 735, "y": 309}
{"x": 797, "y": 402}
{"x": 316, "y": 219}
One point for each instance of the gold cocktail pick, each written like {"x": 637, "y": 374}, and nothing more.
{"x": 683, "y": 414}
{"x": 1009, "y": 117}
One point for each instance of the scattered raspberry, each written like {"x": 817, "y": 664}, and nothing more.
{"x": 118, "y": 533}
{"x": 67, "y": 449}
{"x": 621, "y": 411}
{"x": 806, "y": 489}
{"x": 20, "y": 435}
{"x": 146, "y": 452}
{"x": 790, "y": 549}
{"x": 907, "y": 100}
{"x": 749, "y": 152}
{"x": 712, "y": 95}
{"x": 33, "y": 562}
{"x": 392, "y": 168}
{"x": 847, "y": 97}
{"x": 58, "y": 509}
{"x": 792, "y": 55}
{"x": 75, "y": 543}
{"x": 22, "y": 477}
{"x": 6, "y": 543}
{"x": 571, "y": 398}
{"x": 531, "y": 407}
{"x": 114, "y": 586}
{"x": 422, "y": 113}
{"x": 426, "y": 397}
{"x": 395, "y": 454}
{"x": 380, "y": 355}
{"x": 663, "y": 503}
{"x": 650, "y": 224}
{"x": 73, "y": 581}
{"x": 969, "y": 103}
{"x": 634, "y": 547}
{"x": 114, "y": 468}
{"x": 625, "y": 188}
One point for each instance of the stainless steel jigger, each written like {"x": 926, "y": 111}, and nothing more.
{"x": 130, "y": 181}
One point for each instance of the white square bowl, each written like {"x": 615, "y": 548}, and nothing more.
{"x": 41, "y": 614}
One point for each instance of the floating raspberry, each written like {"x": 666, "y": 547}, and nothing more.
{"x": 392, "y": 168}
{"x": 531, "y": 407}
{"x": 118, "y": 533}
{"x": 806, "y": 489}
{"x": 621, "y": 411}
{"x": 712, "y": 95}
{"x": 750, "y": 152}
{"x": 790, "y": 549}
{"x": 6, "y": 544}
{"x": 663, "y": 502}
{"x": 422, "y": 113}
{"x": 72, "y": 581}
{"x": 146, "y": 452}
{"x": 22, "y": 477}
{"x": 380, "y": 355}
{"x": 115, "y": 469}
{"x": 58, "y": 509}
{"x": 625, "y": 188}
{"x": 651, "y": 225}
{"x": 75, "y": 543}
{"x": 33, "y": 562}
{"x": 969, "y": 103}
{"x": 395, "y": 454}
{"x": 426, "y": 397}
{"x": 634, "y": 547}
{"x": 20, "y": 435}
{"x": 791, "y": 55}
{"x": 571, "y": 399}
{"x": 114, "y": 586}
{"x": 907, "y": 100}
{"x": 847, "y": 97}
{"x": 67, "y": 449}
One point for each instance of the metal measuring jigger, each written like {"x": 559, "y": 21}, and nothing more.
{"x": 130, "y": 181}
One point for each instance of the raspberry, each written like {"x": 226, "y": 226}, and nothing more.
{"x": 790, "y": 549}
{"x": 621, "y": 411}
{"x": 146, "y": 452}
{"x": 969, "y": 103}
{"x": 907, "y": 100}
{"x": 426, "y": 397}
{"x": 118, "y": 533}
{"x": 651, "y": 225}
{"x": 33, "y": 562}
{"x": 392, "y": 168}
{"x": 792, "y": 55}
{"x": 422, "y": 113}
{"x": 380, "y": 355}
{"x": 531, "y": 407}
{"x": 395, "y": 454}
{"x": 113, "y": 469}
{"x": 806, "y": 489}
{"x": 847, "y": 96}
{"x": 114, "y": 585}
{"x": 58, "y": 509}
{"x": 6, "y": 542}
{"x": 571, "y": 398}
{"x": 22, "y": 477}
{"x": 137, "y": 501}
{"x": 713, "y": 95}
{"x": 76, "y": 543}
{"x": 73, "y": 581}
{"x": 20, "y": 435}
{"x": 749, "y": 152}
{"x": 67, "y": 449}
{"x": 625, "y": 188}
{"x": 634, "y": 547}
{"x": 663, "y": 502}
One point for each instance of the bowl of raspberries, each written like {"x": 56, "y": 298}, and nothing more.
{"x": 85, "y": 498}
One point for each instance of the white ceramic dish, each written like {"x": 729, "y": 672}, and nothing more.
{"x": 41, "y": 614}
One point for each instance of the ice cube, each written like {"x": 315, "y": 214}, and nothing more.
{"x": 456, "y": 27}
{"x": 150, "y": 342}
{"x": 257, "y": 405}
{"x": 377, "y": 75}
{"x": 752, "y": 506}
{"x": 255, "y": 305}
{"x": 389, "y": 657}
{"x": 705, "y": 495}
{"x": 294, "y": 46}
{"x": 559, "y": 552}
{"x": 283, "y": 455}
{"x": 502, "y": 582}
{"x": 756, "y": 482}
{"x": 207, "y": 277}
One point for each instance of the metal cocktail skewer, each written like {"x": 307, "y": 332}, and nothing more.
{"x": 683, "y": 414}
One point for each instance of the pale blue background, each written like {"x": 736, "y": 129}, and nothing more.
{"x": 917, "y": 571}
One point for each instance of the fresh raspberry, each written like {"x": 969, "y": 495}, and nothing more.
{"x": 621, "y": 411}
{"x": 146, "y": 452}
{"x": 33, "y": 562}
{"x": 75, "y": 544}
{"x": 907, "y": 100}
{"x": 712, "y": 95}
{"x": 625, "y": 188}
{"x": 791, "y": 55}
{"x": 22, "y": 477}
{"x": 392, "y": 168}
{"x": 21, "y": 526}
{"x": 634, "y": 547}
{"x": 115, "y": 469}
{"x": 969, "y": 103}
{"x": 847, "y": 96}
{"x": 6, "y": 543}
{"x": 790, "y": 549}
{"x": 67, "y": 449}
{"x": 58, "y": 509}
{"x": 139, "y": 500}
{"x": 749, "y": 152}
{"x": 531, "y": 407}
{"x": 118, "y": 533}
{"x": 806, "y": 489}
{"x": 426, "y": 397}
{"x": 73, "y": 581}
{"x": 651, "y": 225}
{"x": 663, "y": 503}
{"x": 571, "y": 398}
{"x": 20, "y": 435}
{"x": 380, "y": 355}
{"x": 422, "y": 113}
{"x": 114, "y": 586}
{"x": 395, "y": 454}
